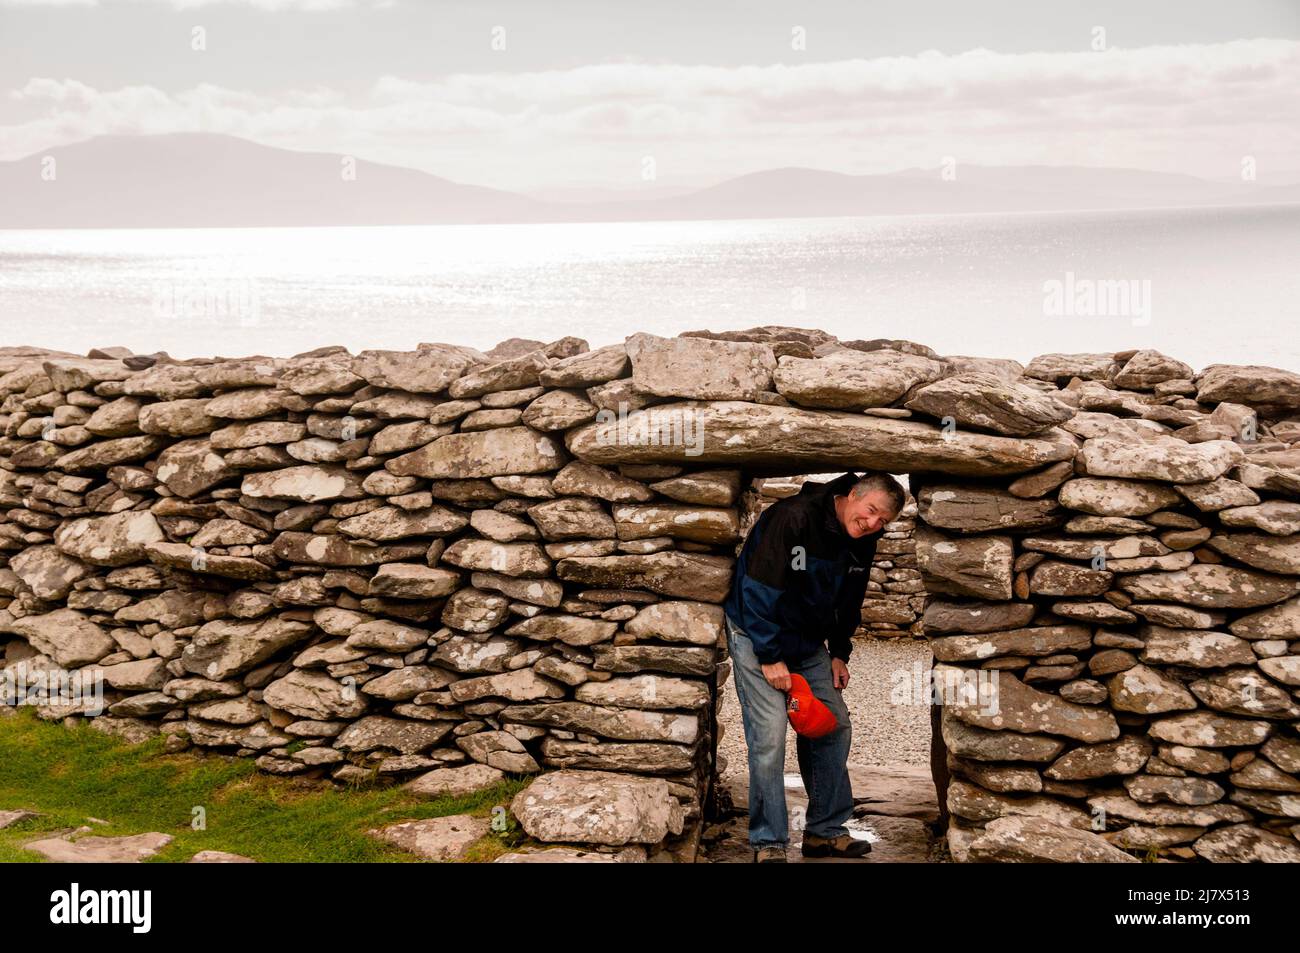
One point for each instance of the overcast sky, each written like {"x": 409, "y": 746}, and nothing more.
{"x": 528, "y": 95}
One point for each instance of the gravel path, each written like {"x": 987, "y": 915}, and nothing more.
{"x": 884, "y": 731}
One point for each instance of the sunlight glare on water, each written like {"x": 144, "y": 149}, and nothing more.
{"x": 1222, "y": 283}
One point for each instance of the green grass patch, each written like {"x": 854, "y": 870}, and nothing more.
{"x": 72, "y": 773}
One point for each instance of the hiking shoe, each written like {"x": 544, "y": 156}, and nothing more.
{"x": 770, "y": 855}
{"x": 843, "y": 846}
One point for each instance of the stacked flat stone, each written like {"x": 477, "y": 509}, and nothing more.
{"x": 1139, "y": 604}
{"x": 441, "y": 565}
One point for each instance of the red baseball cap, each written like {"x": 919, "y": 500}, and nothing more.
{"x": 809, "y": 715}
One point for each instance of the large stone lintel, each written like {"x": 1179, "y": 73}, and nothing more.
{"x": 773, "y": 440}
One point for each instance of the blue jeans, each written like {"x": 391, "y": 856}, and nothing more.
{"x": 823, "y": 762}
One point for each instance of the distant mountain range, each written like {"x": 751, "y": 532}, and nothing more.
{"x": 186, "y": 180}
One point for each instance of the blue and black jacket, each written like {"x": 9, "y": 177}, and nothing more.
{"x": 800, "y": 578}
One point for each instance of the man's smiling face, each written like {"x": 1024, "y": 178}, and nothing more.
{"x": 865, "y": 514}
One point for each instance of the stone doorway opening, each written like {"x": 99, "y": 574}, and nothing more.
{"x": 890, "y": 761}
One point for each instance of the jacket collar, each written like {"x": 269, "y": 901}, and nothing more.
{"x": 863, "y": 547}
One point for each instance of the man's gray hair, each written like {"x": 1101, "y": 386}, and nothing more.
{"x": 885, "y": 484}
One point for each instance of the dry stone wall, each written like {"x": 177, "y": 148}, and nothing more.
{"x": 441, "y": 566}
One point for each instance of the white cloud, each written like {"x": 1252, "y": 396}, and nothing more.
{"x": 1192, "y": 108}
